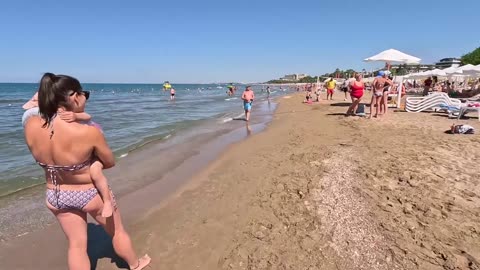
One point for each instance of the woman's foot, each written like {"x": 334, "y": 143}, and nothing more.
{"x": 107, "y": 210}
{"x": 142, "y": 263}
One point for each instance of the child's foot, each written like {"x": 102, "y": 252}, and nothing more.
{"x": 142, "y": 263}
{"x": 107, "y": 210}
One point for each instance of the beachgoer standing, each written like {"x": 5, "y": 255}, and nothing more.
{"x": 345, "y": 89}
{"x": 269, "y": 91}
{"x": 231, "y": 89}
{"x": 172, "y": 93}
{"x": 330, "y": 84}
{"x": 379, "y": 84}
{"x": 247, "y": 98}
{"x": 356, "y": 93}
{"x": 64, "y": 150}
{"x": 427, "y": 85}
{"x": 166, "y": 86}
{"x": 99, "y": 179}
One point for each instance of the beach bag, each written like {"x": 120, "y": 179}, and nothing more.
{"x": 360, "y": 110}
{"x": 462, "y": 129}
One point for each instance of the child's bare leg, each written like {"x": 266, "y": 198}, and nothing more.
{"x": 101, "y": 183}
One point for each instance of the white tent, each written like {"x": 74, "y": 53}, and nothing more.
{"x": 393, "y": 55}
{"x": 453, "y": 70}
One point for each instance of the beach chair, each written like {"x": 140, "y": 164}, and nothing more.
{"x": 431, "y": 102}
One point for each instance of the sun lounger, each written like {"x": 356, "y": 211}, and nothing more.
{"x": 430, "y": 102}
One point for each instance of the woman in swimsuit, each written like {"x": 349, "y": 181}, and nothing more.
{"x": 65, "y": 150}
{"x": 356, "y": 93}
{"x": 378, "y": 91}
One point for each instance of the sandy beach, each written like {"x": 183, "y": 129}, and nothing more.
{"x": 315, "y": 190}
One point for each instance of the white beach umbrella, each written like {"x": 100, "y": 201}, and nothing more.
{"x": 438, "y": 72}
{"x": 467, "y": 67}
{"x": 452, "y": 70}
{"x": 393, "y": 55}
{"x": 422, "y": 74}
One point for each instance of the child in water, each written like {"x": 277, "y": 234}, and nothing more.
{"x": 99, "y": 179}
{"x": 172, "y": 93}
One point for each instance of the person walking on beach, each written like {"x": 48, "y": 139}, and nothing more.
{"x": 269, "y": 91}
{"x": 330, "y": 85}
{"x": 65, "y": 150}
{"x": 357, "y": 88}
{"x": 345, "y": 86}
{"x": 247, "y": 98}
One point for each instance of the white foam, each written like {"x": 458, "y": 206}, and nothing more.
{"x": 168, "y": 136}
{"x": 123, "y": 155}
{"x": 228, "y": 99}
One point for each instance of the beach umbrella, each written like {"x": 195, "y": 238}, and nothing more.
{"x": 392, "y": 55}
{"x": 452, "y": 70}
{"x": 438, "y": 72}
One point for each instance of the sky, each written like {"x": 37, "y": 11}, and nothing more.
{"x": 197, "y": 41}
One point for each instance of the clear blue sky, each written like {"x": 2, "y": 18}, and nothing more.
{"x": 212, "y": 41}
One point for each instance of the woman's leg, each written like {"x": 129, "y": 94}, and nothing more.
{"x": 378, "y": 104}
{"x": 372, "y": 105}
{"x": 355, "y": 105}
{"x": 351, "y": 110}
{"x": 120, "y": 238}
{"x": 74, "y": 225}
{"x": 385, "y": 102}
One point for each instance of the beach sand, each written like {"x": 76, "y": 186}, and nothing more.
{"x": 317, "y": 190}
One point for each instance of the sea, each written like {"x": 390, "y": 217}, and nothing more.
{"x": 131, "y": 115}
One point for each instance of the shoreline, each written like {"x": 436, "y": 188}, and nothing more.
{"x": 154, "y": 159}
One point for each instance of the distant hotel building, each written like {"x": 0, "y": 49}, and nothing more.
{"x": 442, "y": 64}
{"x": 293, "y": 77}
{"x": 448, "y": 62}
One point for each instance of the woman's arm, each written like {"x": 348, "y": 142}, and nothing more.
{"x": 101, "y": 149}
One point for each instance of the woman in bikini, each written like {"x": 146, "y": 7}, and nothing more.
{"x": 65, "y": 151}
{"x": 356, "y": 93}
{"x": 379, "y": 85}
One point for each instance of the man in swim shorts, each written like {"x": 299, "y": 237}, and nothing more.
{"x": 330, "y": 84}
{"x": 247, "y": 98}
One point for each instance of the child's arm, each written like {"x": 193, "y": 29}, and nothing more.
{"x": 72, "y": 117}
{"x": 83, "y": 116}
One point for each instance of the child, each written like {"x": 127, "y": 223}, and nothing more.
{"x": 247, "y": 98}
{"x": 99, "y": 179}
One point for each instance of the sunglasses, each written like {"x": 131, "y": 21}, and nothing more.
{"x": 85, "y": 93}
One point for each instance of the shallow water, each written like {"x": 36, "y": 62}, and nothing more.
{"x": 131, "y": 115}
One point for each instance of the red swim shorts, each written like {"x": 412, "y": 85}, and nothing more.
{"x": 330, "y": 91}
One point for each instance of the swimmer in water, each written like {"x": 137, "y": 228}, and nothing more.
{"x": 172, "y": 93}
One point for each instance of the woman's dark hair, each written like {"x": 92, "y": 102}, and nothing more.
{"x": 53, "y": 93}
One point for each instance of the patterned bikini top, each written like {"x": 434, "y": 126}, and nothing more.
{"x": 54, "y": 169}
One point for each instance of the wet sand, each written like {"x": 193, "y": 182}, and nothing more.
{"x": 317, "y": 190}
